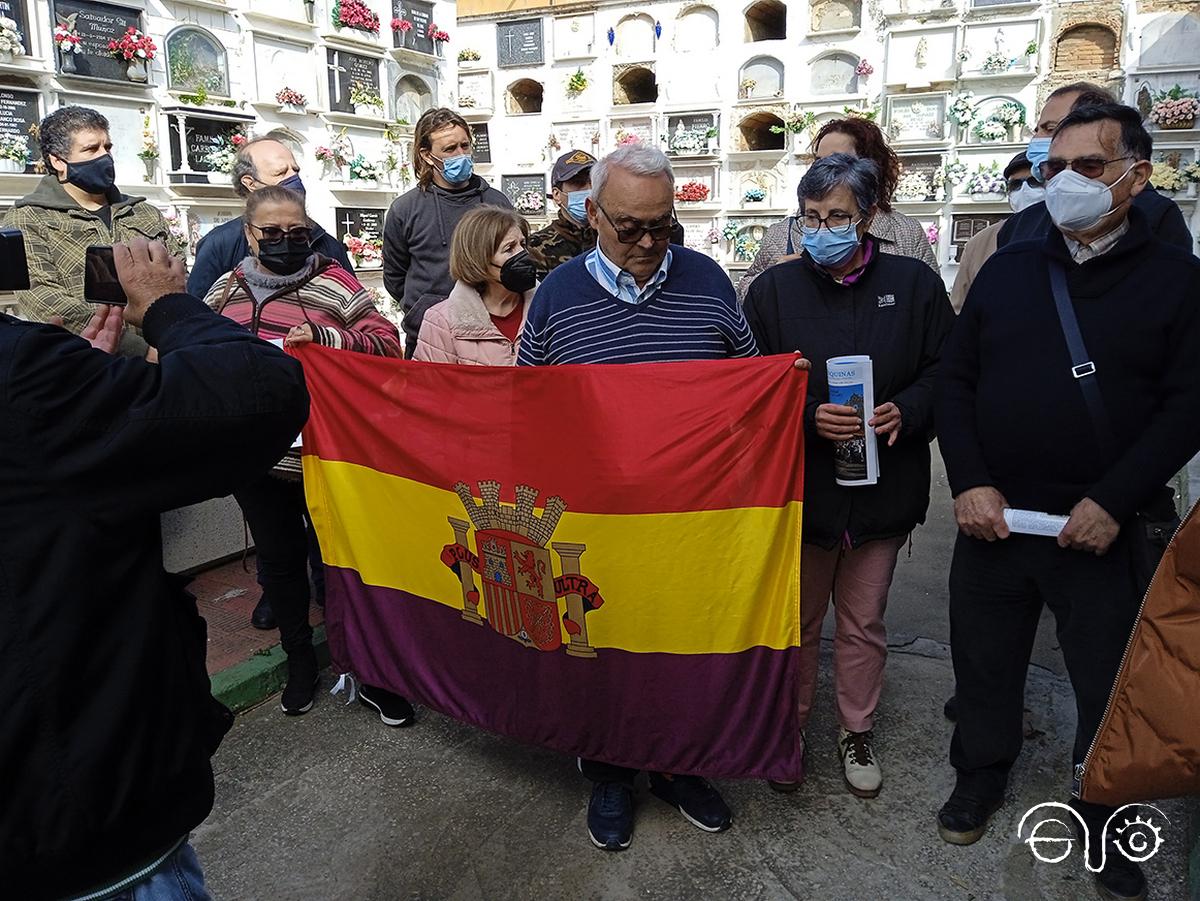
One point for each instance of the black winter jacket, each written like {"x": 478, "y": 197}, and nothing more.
{"x": 106, "y": 720}
{"x": 225, "y": 246}
{"x": 897, "y": 312}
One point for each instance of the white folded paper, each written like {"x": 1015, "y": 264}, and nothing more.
{"x": 1031, "y": 522}
{"x": 852, "y": 384}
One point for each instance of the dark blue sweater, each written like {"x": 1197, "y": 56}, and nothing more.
{"x": 693, "y": 316}
{"x": 1011, "y": 415}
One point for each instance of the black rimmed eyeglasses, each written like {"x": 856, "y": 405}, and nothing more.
{"x": 271, "y": 233}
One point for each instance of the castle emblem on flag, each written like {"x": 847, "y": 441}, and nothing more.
{"x": 520, "y": 591}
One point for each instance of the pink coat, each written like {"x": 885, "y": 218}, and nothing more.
{"x": 459, "y": 330}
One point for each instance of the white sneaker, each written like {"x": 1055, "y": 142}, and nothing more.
{"x": 862, "y": 774}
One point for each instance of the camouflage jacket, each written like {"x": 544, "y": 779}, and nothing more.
{"x": 558, "y": 242}
{"x": 57, "y": 234}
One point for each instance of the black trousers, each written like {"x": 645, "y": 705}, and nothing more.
{"x": 607, "y": 772}
{"x": 997, "y": 590}
{"x": 277, "y": 515}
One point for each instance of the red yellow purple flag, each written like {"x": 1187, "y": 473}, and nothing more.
{"x": 601, "y": 560}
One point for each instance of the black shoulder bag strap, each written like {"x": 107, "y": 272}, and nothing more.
{"x": 1082, "y": 367}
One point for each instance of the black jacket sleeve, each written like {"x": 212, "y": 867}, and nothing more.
{"x": 330, "y": 247}
{"x": 1166, "y": 220}
{"x": 123, "y": 437}
{"x": 210, "y": 265}
{"x": 954, "y": 404}
{"x": 396, "y": 256}
{"x": 916, "y": 401}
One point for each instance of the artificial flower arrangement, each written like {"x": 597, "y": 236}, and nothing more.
{"x": 468, "y": 55}
{"x": 991, "y": 129}
{"x": 912, "y": 186}
{"x": 336, "y": 152}
{"x": 467, "y": 102}
{"x": 361, "y": 169}
{"x": 1175, "y": 108}
{"x": 15, "y": 148}
{"x": 67, "y": 40}
{"x": 962, "y": 110}
{"x": 11, "y": 40}
{"x": 365, "y": 95}
{"x": 177, "y": 239}
{"x": 854, "y": 112}
{"x": 954, "y": 172}
{"x": 692, "y": 192}
{"x": 222, "y": 157}
{"x": 713, "y": 236}
{"x": 1031, "y": 48}
{"x": 729, "y": 232}
{"x": 1010, "y": 113}
{"x": 746, "y": 86}
{"x": 1192, "y": 172}
{"x": 404, "y": 26}
{"x": 795, "y": 122}
{"x": 933, "y": 233}
{"x": 436, "y": 34}
{"x": 149, "y": 149}
{"x": 577, "y": 83}
{"x": 625, "y": 138}
{"x": 365, "y": 250}
{"x": 987, "y": 180}
{"x": 354, "y": 14}
{"x": 288, "y": 97}
{"x": 746, "y": 247}
{"x": 864, "y": 69}
{"x": 552, "y": 142}
{"x": 530, "y": 202}
{"x": 996, "y": 62}
{"x": 132, "y": 45}
{"x": 754, "y": 195}
{"x": 1166, "y": 177}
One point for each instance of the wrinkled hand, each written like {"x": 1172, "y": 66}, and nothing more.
{"x": 979, "y": 513}
{"x": 802, "y": 363}
{"x": 299, "y": 334}
{"x": 1090, "y": 529}
{"x": 147, "y": 271}
{"x": 836, "y": 422}
{"x": 886, "y": 421}
{"x": 103, "y": 330}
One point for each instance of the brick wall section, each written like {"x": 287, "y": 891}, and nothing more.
{"x": 1169, "y": 6}
{"x": 1086, "y": 41}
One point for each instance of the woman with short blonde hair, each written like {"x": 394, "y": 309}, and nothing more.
{"x": 480, "y": 322}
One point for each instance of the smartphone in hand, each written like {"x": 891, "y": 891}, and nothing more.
{"x": 100, "y": 282}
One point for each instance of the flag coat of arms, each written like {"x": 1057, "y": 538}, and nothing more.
{"x": 601, "y": 560}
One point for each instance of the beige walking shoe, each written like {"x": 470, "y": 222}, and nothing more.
{"x": 862, "y": 774}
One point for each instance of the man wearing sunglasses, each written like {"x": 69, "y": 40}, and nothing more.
{"x": 1162, "y": 213}
{"x": 1068, "y": 387}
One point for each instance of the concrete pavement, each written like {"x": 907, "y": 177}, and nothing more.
{"x": 335, "y": 806}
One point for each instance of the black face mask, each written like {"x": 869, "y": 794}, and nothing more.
{"x": 518, "y": 273}
{"x": 285, "y": 256}
{"x": 96, "y": 176}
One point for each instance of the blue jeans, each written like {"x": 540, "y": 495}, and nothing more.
{"x": 179, "y": 878}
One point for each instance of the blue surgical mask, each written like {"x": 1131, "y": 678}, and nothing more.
{"x": 293, "y": 183}
{"x": 1037, "y": 153}
{"x": 577, "y": 205}
{"x": 831, "y": 246}
{"x": 458, "y": 169}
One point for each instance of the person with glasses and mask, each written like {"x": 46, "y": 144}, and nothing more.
{"x": 259, "y": 163}
{"x": 480, "y": 323}
{"x": 421, "y": 221}
{"x": 1079, "y": 401}
{"x": 1162, "y": 213}
{"x": 846, "y": 295}
{"x": 76, "y": 205}
{"x": 1024, "y": 190}
{"x": 284, "y": 290}
{"x": 635, "y": 298}
{"x": 569, "y": 234}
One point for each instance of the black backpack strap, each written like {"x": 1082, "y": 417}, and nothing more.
{"x": 1082, "y": 367}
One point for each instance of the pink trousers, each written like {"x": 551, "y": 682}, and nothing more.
{"x": 857, "y": 580}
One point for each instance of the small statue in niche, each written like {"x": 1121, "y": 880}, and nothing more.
{"x": 999, "y": 41}
{"x": 922, "y": 52}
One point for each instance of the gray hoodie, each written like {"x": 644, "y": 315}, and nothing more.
{"x": 416, "y": 237}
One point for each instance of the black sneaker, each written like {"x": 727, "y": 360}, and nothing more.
{"x": 1121, "y": 879}
{"x": 950, "y": 709}
{"x": 610, "y": 816}
{"x": 392, "y": 708}
{"x": 301, "y": 687}
{"x": 263, "y": 616}
{"x": 695, "y": 799}
{"x": 963, "y": 820}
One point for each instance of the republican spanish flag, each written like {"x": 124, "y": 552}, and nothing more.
{"x": 602, "y": 560}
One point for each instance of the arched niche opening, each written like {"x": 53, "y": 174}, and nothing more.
{"x": 524, "y": 97}
{"x": 635, "y": 37}
{"x": 697, "y": 30}
{"x": 634, "y": 84}
{"x": 760, "y": 78}
{"x": 413, "y": 97}
{"x": 766, "y": 20}
{"x": 196, "y": 62}
{"x": 756, "y": 131}
{"x": 1088, "y": 47}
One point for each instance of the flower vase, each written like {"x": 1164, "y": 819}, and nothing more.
{"x": 220, "y": 178}
{"x": 68, "y": 63}
{"x": 1179, "y": 125}
{"x": 5, "y": 57}
{"x": 135, "y": 70}
{"x": 366, "y": 184}
{"x": 437, "y": 47}
{"x": 987, "y": 196}
{"x": 310, "y": 11}
{"x": 150, "y": 165}
{"x": 292, "y": 109}
{"x": 11, "y": 166}
{"x": 368, "y": 112}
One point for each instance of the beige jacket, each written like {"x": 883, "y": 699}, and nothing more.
{"x": 460, "y": 330}
{"x": 974, "y": 255}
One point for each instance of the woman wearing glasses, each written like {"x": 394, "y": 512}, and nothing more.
{"x": 846, "y": 296}
{"x": 284, "y": 290}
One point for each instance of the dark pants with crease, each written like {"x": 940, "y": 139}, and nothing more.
{"x": 277, "y": 515}
{"x": 607, "y": 772}
{"x": 997, "y": 590}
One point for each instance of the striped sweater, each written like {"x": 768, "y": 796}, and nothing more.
{"x": 693, "y": 316}
{"x": 332, "y": 301}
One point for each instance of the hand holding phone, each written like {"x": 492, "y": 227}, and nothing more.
{"x": 100, "y": 282}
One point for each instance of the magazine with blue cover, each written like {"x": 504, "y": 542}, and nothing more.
{"x": 852, "y": 384}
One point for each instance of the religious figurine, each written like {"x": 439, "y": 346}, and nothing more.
{"x": 922, "y": 52}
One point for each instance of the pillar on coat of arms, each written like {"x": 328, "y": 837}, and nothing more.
{"x": 470, "y": 612}
{"x": 569, "y": 554}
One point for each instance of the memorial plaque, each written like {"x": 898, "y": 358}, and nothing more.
{"x": 421, "y": 15}
{"x": 917, "y": 119}
{"x": 15, "y": 10}
{"x": 345, "y": 69}
{"x": 18, "y": 111}
{"x": 354, "y": 220}
{"x": 203, "y": 137}
{"x": 687, "y": 134}
{"x": 481, "y": 143}
{"x": 520, "y": 43}
{"x": 475, "y": 90}
{"x": 577, "y": 136}
{"x": 514, "y": 186}
{"x": 97, "y": 24}
{"x": 574, "y": 35}
{"x": 964, "y": 228}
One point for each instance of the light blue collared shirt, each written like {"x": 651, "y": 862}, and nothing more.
{"x": 616, "y": 281}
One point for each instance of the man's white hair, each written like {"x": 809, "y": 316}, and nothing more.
{"x": 639, "y": 159}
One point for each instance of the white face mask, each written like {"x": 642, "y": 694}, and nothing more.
{"x": 1077, "y": 203}
{"x": 1025, "y": 197}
